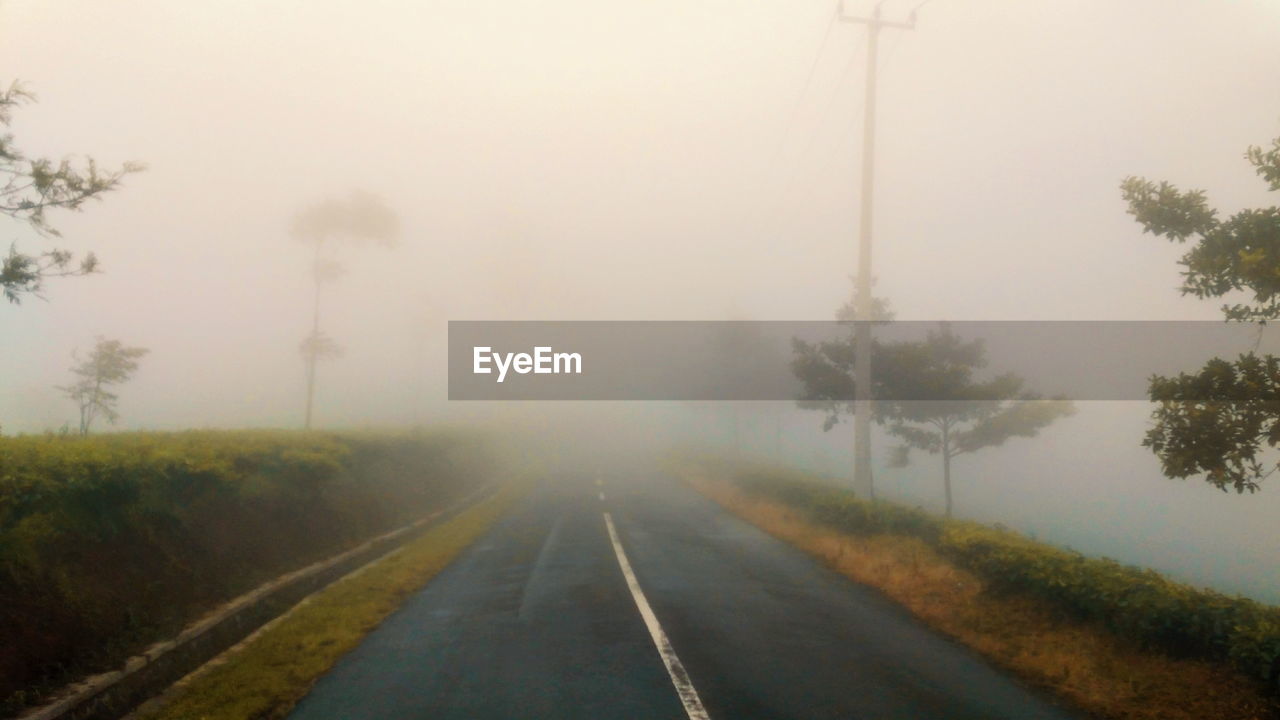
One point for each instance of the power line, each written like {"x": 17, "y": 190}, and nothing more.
{"x": 892, "y": 49}
{"x": 917, "y": 8}
{"x": 789, "y": 185}
{"x": 804, "y": 89}
{"x": 831, "y": 101}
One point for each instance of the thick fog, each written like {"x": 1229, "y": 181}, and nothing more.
{"x": 574, "y": 160}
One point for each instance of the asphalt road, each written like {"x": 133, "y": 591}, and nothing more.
{"x": 537, "y": 620}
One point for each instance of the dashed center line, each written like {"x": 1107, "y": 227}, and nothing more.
{"x": 679, "y": 677}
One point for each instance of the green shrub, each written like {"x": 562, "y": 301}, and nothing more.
{"x": 1137, "y": 603}
{"x": 837, "y": 508}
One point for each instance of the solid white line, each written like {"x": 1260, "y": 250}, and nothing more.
{"x": 679, "y": 677}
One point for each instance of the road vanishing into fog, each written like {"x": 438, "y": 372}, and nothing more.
{"x": 543, "y": 618}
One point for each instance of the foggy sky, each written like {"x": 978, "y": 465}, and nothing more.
{"x": 576, "y": 159}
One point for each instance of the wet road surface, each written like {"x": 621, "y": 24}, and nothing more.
{"x": 538, "y": 620}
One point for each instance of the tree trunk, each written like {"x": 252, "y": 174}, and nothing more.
{"x": 311, "y": 388}
{"x": 87, "y": 412}
{"x": 946, "y": 463}
{"x": 777, "y": 435}
{"x": 315, "y": 332}
{"x": 737, "y": 433}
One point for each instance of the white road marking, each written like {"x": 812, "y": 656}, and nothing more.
{"x": 602, "y": 496}
{"x": 679, "y": 677}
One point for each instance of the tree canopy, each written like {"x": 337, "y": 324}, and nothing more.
{"x": 29, "y": 188}
{"x": 1238, "y": 254}
{"x": 360, "y": 217}
{"x": 1217, "y": 421}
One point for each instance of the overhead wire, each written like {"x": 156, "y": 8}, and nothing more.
{"x": 836, "y": 93}
{"x": 804, "y": 89}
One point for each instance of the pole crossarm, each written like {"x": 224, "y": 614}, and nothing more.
{"x": 876, "y": 21}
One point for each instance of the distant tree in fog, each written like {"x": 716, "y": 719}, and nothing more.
{"x": 111, "y": 363}
{"x": 359, "y": 219}
{"x": 881, "y": 311}
{"x": 927, "y": 396}
{"x": 29, "y": 187}
{"x": 826, "y": 369}
{"x": 938, "y": 406}
{"x": 1217, "y": 420}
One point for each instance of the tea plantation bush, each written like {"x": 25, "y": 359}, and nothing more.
{"x": 109, "y": 543}
{"x": 1136, "y": 603}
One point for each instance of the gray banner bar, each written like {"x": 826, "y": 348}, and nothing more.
{"x": 712, "y": 360}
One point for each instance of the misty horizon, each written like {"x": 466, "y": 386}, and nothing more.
{"x": 669, "y": 161}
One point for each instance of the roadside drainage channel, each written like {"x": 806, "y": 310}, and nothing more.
{"x": 111, "y": 695}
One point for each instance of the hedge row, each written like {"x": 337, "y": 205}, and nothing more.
{"x": 1133, "y": 602}
{"x": 109, "y": 543}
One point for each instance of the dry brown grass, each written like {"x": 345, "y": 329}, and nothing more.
{"x": 1081, "y": 662}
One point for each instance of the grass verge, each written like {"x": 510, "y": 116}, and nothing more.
{"x": 266, "y": 676}
{"x": 1080, "y": 661}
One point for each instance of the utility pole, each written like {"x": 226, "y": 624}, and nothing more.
{"x": 862, "y": 481}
